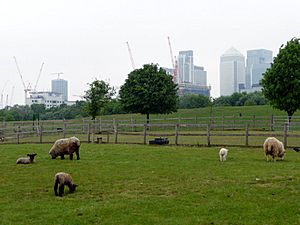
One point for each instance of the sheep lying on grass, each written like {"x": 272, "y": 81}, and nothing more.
{"x": 65, "y": 146}
{"x": 223, "y": 154}
{"x": 60, "y": 180}
{"x": 274, "y": 148}
{"x": 26, "y": 160}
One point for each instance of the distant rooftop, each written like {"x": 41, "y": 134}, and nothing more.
{"x": 232, "y": 52}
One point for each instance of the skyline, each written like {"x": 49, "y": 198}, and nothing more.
{"x": 87, "y": 39}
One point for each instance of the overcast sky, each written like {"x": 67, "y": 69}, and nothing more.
{"x": 85, "y": 39}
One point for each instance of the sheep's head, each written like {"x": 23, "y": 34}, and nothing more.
{"x": 53, "y": 154}
{"x": 73, "y": 188}
{"x": 31, "y": 156}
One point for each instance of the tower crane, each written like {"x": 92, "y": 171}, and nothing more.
{"x": 130, "y": 55}
{"x": 2, "y": 101}
{"x": 26, "y": 88}
{"x": 174, "y": 64}
{"x": 38, "y": 78}
{"x": 58, "y": 74}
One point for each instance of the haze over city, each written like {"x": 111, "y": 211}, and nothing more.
{"x": 87, "y": 39}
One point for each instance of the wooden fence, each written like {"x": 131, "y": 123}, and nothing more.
{"x": 219, "y": 131}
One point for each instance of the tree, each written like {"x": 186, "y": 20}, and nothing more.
{"x": 190, "y": 101}
{"x": 149, "y": 90}
{"x": 281, "y": 82}
{"x": 97, "y": 96}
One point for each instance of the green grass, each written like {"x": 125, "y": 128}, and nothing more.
{"x": 137, "y": 184}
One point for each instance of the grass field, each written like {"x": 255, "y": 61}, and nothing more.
{"x": 141, "y": 184}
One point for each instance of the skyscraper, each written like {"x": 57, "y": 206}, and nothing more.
{"x": 186, "y": 66}
{"x": 232, "y": 72}
{"x": 60, "y": 86}
{"x": 258, "y": 61}
{"x": 200, "y": 76}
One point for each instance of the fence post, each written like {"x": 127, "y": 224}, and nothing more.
{"x": 93, "y": 131}
{"x": 285, "y": 134}
{"x": 272, "y": 123}
{"x": 254, "y": 121}
{"x": 65, "y": 128}
{"x": 18, "y": 135}
{"x": 176, "y": 134}
{"x": 41, "y": 133}
{"x": 247, "y": 134}
{"x": 208, "y": 134}
{"x": 116, "y": 133}
{"x": 89, "y": 133}
{"x": 145, "y": 134}
{"x": 100, "y": 125}
{"x": 222, "y": 121}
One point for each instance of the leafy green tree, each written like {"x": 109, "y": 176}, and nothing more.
{"x": 149, "y": 90}
{"x": 37, "y": 109}
{"x": 97, "y": 97}
{"x": 190, "y": 101}
{"x": 281, "y": 82}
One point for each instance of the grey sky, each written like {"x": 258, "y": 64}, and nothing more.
{"x": 86, "y": 39}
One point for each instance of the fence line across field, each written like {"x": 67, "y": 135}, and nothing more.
{"x": 215, "y": 132}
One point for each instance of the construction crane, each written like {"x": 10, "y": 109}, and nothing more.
{"x": 174, "y": 64}
{"x": 26, "y": 88}
{"x": 2, "y": 103}
{"x": 38, "y": 78}
{"x": 11, "y": 96}
{"x": 130, "y": 55}
{"x": 58, "y": 74}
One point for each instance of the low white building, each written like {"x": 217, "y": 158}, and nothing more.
{"x": 49, "y": 99}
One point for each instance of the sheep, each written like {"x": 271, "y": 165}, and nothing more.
{"x": 223, "y": 154}
{"x": 274, "y": 148}
{"x": 60, "y": 180}
{"x": 29, "y": 160}
{"x": 65, "y": 146}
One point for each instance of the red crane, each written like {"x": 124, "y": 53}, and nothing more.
{"x": 174, "y": 64}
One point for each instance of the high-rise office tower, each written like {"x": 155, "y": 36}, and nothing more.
{"x": 186, "y": 66}
{"x": 258, "y": 61}
{"x": 60, "y": 86}
{"x": 200, "y": 76}
{"x": 232, "y": 72}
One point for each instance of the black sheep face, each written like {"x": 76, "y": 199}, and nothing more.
{"x": 53, "y": 155}
{"x": 73, "y": 188}
{"x": 31, "y": 156}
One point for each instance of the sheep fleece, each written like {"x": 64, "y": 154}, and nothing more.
{"x": 274, "y": 147}
{"x": 65, "y": 146}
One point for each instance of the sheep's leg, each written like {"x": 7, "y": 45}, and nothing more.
{"x": 55, "y": 188}
{"x": 62, "y": 156}
{"x": 71, "y": 156}
{"x": 77, "y": 154}
{"x": 61, "y": 189}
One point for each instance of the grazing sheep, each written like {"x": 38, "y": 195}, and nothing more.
{"x": 223, "y": 154}
{"x": 65, "y": 146}
{"x": 274, "y": 148}
{"x": 60, "y": 180}
{"x": 26, "y": 160}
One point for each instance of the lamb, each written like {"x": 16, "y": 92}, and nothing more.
{"x": 274, "y": 148}
{"x": 29, "y": 160}
{"x": 223, "y": 154}
{"x": 65, "y": 146}
{"x": 60, "y": 180}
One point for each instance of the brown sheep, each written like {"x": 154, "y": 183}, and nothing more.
{"x": 274, "y": 148}
{"x": 60, "y": 180}
{"x": 65, "y": 146}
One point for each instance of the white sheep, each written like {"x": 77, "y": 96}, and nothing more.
{"x": 274, "y": 148}
{"x": 28, "y": 160}
{"x": 223, "y": 154}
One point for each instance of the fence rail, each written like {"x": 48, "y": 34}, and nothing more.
{"x": 206, "y": 131}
